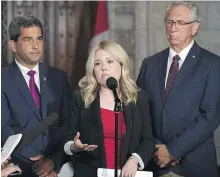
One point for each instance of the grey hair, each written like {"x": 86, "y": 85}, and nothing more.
{"x": 196, "y": 16}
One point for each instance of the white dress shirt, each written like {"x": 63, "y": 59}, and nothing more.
{"x": 182, "y": 56}
{"x": 24, "y": 70}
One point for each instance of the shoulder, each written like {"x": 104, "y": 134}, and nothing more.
{"x": 55, "y": 75}
{"x": 5, "y": 70}
{"x": 77, "y": 98}
{"x": 151, "y": 60}
{"x": 56, "y": 71}
{"x": 207, "y": 55}
{"x": 142, "y": 97}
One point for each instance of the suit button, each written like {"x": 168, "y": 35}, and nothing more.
{"x": 44, "y": 134}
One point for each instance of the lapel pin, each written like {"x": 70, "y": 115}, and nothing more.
{"x": 193, "y": 56}
{"x": 45, "y": 79}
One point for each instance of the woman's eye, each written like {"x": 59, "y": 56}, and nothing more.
{"x": 96, "y": 64}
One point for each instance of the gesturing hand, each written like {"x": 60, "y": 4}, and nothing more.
{"x": 79, "y": 146}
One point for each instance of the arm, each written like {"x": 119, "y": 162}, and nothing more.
{"x": 6, "y": 126}
{"x": 6, "y": 118}
{"x": 206, "y": 122}
{"x": 56, "y": 154}
{"x": 147, "y": 142}
{"x": 141, "y": 82}
{"x": 145, "y": 149}
{"x": 53, "y": 157}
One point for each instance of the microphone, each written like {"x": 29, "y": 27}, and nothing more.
{"x": 29, "y": 135}
{"x": 112, "y": 84}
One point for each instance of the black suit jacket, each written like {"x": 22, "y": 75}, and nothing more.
{"x": 186, "y": 120}
{"x": 138, "y": 136}
{"x": 19, "y": 112}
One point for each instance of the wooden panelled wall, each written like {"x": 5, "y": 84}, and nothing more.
{"x": 68, "y": 27}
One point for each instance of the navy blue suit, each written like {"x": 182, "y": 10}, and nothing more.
{"x": 186, "y": 120}
{"x": 20, "y": 113}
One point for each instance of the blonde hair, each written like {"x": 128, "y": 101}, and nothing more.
{"x": 88, "y": 84}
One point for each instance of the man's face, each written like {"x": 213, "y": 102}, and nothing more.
{"x": 180, "y": 35}
{"x": 29, "y": 47}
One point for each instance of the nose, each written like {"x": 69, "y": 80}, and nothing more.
{"x": 35, "y": 44}
{"x": 173, "y": 27}
{"x": 104, "y": 67}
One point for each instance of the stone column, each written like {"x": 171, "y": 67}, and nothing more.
{"x": 140, "y": 33}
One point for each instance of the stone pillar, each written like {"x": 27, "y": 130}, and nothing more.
{"x": 140, "y": 32}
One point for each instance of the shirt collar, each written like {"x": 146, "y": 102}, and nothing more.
{"x": 25, "y": 70}
{"x": 182, "y": 54}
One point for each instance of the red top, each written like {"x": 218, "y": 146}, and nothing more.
{"x": 108, "y": 122}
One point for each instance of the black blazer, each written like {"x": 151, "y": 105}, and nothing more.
{"x": 186, "y": 121}
{"x": 138, "y": 136}
{"x": 19, "y": 112}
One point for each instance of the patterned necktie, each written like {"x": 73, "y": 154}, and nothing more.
{"x": 33, "y": 88}
{"x": 174, "y": 68}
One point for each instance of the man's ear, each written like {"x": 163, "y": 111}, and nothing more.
{"x": 195, "y": 28}
{"x": 12, "y": 45}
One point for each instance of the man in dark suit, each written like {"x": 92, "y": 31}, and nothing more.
{"x": 30, "y": 92}
{"x": 184, "y": 96}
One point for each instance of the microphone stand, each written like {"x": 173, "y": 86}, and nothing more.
{"x": 117, "y": 108}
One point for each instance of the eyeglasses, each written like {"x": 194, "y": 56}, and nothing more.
{"x": 178, "y": 23}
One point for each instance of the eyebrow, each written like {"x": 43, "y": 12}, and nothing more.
{"x": 105, "y": 58}
{"x": 28, "y": 37}
{"x": 110, "y": 58}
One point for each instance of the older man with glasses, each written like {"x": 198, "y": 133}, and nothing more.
{"x": 184, "y": 88}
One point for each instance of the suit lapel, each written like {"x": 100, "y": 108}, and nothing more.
{"x": 96, "y": 136}
{"x": 21, "y": 84}
{"x": 128, "y": 118}
{"x": 186, "y": 68}
{"x": 161, "y": 70}
{"x": 43, "y": 89}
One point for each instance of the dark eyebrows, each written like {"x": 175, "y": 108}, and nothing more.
{"x": 28, "y": 37}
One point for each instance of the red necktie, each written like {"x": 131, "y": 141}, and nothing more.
{"x": 33, "y": 88}
{"x": 174, "y": 68}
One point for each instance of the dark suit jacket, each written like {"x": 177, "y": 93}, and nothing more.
{"x": 138, "y": 137}
{"x": 186, "y": 120}
{"x": 19, "y": 112}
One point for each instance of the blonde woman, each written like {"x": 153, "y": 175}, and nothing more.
{"x": 92, "y": 120}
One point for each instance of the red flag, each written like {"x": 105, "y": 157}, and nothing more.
{"x": 101, "y": 27}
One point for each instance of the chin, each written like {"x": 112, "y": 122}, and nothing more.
{"x": 174, "y": 42}
{"x": 34, "y": 62}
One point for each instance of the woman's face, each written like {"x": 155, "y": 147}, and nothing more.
{"x": 105, "y": 66}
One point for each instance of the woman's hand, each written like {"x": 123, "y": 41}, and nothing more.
{"x": 79, "y": 146}
{"x": 130, "y": 168}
